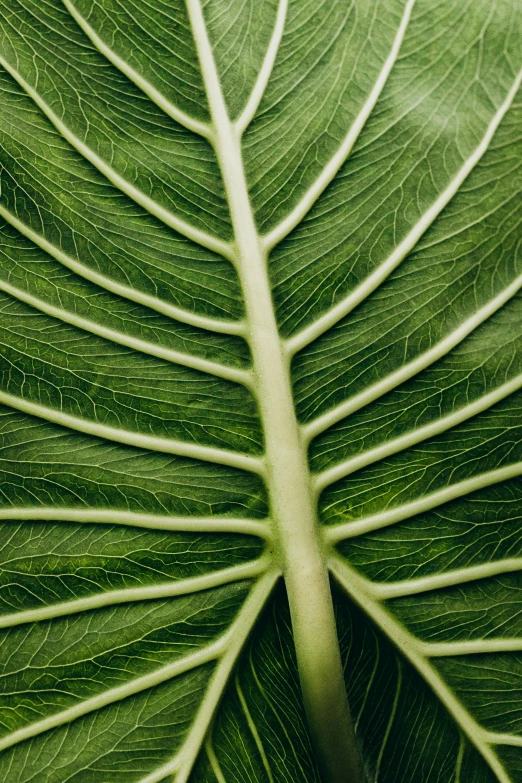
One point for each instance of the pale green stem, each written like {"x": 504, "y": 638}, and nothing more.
{"x": 306, "y": 576}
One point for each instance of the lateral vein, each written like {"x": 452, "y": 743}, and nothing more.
{"x": 459, "y": 576}
{"x": 501, "y": 738}
{"x": 361, "y": 292}
{"x": 260, "y": 85}
{"x": 172, "y": 111}
{"x": 331, "y": 417}
{"x": 217, "y": 524}
{"x": 358, "y": 527}
{"x": 135, "y": 439}
{"x": 287, "y": 225}
{"x": 474, "y": 647}
{"x": 162, "y": 773}
{"x": 412, "y": 650}
{"x": 403, "y": 442}
{"x": 126, "y": 595}
{"x": 239, "y": 635}
{"x": 160, "y": 352}
{"x": 207, "y": 654}
{"x": 152, "y": 302}
{"x": 164, "y": 215}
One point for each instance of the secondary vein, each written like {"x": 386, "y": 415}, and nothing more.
{"x": 260, "y": 85}
{"x": 325, "y": 322}
{"x": 394, "y": 446}
{"x": 132, "y": 294}
{"x": 458, "y": 576}
{"x": 216, "y": 524}
{"x": 164, "y": 445}
{"x": 131, "y": 191}
{"x": 409, "y": 370}
{"x": 207, "y": 654}
{"x": 131, "y": 594}
{"x": 172, "y": 111}
{"x": 414, "y": 652}
{"x": 238, "y": 637}
{"x": 243, "y": 377}
{"x": 336, "y": 161}
{"x": 345, "y": 530}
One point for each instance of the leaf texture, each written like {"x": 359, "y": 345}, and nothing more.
{"x": 261, "y": 391}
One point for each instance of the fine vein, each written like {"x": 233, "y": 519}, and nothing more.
{"x": 171, "y": 311}
{"x": 176, "y": 357}
{"x": 359, "y": 294}
{"x": 336, "y": 161}
{"x": 384, "y": 519}
{"x": 164, "y": 215}
{"x": 164, "y": 445}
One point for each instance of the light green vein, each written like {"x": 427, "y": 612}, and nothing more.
{"x": 419, "y": 435}
{"x": 411, "y": 649}
{"x": 253, "y": 730}
{"x": 171, "y": 311}
{"x": 336, "y": 161}
{"x": 184, "y": 761}
{"x": 458, "y": 576}
{"x": 384, "y": 519}
{"x": 164, "y": 445}
{"x": 207, "y": 654}
{"x": 414, "y": 367}
{"x": 243, "y": 377}
{"x": 265, "y": 72}
{"x": 217, "y": 524}
{"x": 214, "y": 763}
{"x": 460, "y": 758}
{"x": 306, "y": 576}
{"x": 346, "y": 305}
{"x": 181, "y": 226}
{"x": 499, "y": 738}
{"x": 127, "y": 595}
{"x": 393, "y": 713}
{"x": 474, "y": 647}
{"x": 201, "y": 128}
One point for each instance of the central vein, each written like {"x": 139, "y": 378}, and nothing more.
{"x": 289, "y": 486}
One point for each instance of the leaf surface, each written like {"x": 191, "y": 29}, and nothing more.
{"x": 261, "y": 391}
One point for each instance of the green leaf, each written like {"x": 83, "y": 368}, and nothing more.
{"x": 261, "y": 389}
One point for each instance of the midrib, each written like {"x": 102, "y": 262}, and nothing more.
{"x": 288, "y": 481}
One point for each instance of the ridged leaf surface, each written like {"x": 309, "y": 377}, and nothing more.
{"x": 261, "y": 391}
